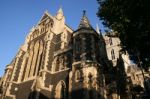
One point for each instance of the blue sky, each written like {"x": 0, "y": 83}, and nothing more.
{"x": 17, "y": 17}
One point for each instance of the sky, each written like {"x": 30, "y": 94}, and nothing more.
{"x": 17, "y": 17}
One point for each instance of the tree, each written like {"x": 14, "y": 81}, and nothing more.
{"x": 131, "y": 19}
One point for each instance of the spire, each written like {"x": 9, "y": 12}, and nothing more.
{"x": 97, "y": 29}
{"x": 60, "y": 14}
{"x": 60, "y": 11}
{"x": 84, "y": 21}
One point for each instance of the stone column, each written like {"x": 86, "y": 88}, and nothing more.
{"x": 15, "y": 66}
{"x": 48, "y": 39}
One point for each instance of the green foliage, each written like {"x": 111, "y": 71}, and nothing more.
{"x": 131, "y": 19}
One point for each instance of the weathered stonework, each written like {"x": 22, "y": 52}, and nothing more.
{"x": 56, "y": 62}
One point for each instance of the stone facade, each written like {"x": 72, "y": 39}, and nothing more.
{"x": 56, "y": 62}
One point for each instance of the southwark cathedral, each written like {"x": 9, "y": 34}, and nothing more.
{"x": 57, "y": 62}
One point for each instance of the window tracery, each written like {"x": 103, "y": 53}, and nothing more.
{"x": 112, "y": 54}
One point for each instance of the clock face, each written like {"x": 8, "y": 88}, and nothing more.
{"x": 59, "y": 16}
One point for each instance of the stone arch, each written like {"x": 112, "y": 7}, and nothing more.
{"x": 60, "y": 91}
{"x": 77, "y": 76}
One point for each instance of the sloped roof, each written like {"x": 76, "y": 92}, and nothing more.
{"x": 84, "y": 23}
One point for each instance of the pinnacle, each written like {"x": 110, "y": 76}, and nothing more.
{"x": 84, "y": 21}
{"x": 60, "y": 10}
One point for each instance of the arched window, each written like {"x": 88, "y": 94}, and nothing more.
{"x": 35, "y": 57}
{"x": 77, "y": 45}
{"x": 89, "y": 56}
{"x": 90, "y": 81}
{"x": 77, "y": 76}
{"x": 57, "y": 65}
{"x": 39, "y": 59}
{"x": 112, "y": 54}
{"x": 90, "y": 76}
{"x": 61, "y": 65}
{"x": 60, "y": 90}
{"x": 34, "y": 60}
{"x": 29, "y": 61}
{"x": 110, "y": 41}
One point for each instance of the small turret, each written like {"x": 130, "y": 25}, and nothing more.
{"x": 85, "y": 41}
{"x": 60, "y": 11}
{"x": 59, "y": 14}
{"x": 84, "y": 23}
{"x": 59, "y": 22}
{"x": 86, "y": 61}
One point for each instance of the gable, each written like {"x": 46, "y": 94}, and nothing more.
{"x": 45, "y": 16}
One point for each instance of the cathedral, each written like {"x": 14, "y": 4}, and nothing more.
{"x": 57, "y": 62}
